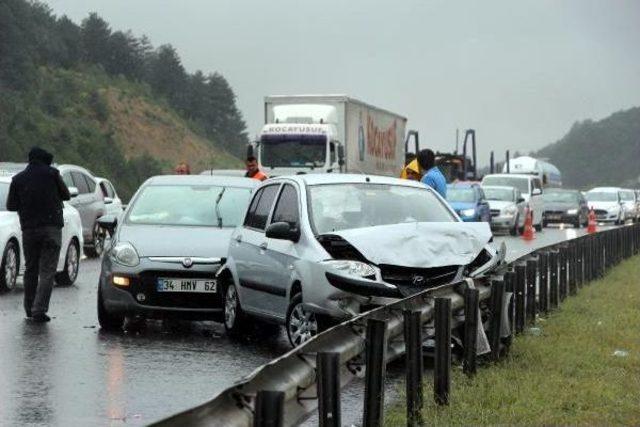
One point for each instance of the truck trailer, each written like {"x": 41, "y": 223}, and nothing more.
{"x": 329, "y": 134}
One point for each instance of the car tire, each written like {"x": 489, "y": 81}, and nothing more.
{"x": 234, "y": 318}
{"x": 108, "y": 321}
{"x": 301, "y": 325}
{"x": 97, "y": 243}
{"x": 10, "y": 266}
{"x": 515, "y": 230}
{"x": 71, "y": 265}
{"x": 577, "y": 223}
{"x": 540, "y": 226}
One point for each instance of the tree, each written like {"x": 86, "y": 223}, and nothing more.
{"x": 168, "y": 78}
{"x": 124, "y": 56}
{"x": 95, "y": 40}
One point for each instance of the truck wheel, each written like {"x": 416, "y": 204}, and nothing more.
{"x": 108, "y": 321}
{"x": 301, "y": 324}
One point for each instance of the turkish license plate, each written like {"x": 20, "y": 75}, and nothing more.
{"x": 555, "y": 216}
{"x": 165, "y": 284}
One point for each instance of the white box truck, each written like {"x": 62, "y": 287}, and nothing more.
{"x": 330, "y": 133}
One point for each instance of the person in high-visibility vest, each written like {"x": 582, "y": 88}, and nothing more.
{"x": 253, "y": 171}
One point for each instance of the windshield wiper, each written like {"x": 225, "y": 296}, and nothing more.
{"x": 218, "y": 216}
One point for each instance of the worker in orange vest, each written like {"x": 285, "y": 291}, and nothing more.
{"x": 253, "y": 171}
{"x": 182, "y": 168}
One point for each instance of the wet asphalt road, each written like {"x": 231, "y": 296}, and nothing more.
{"x": 69, "y": 373}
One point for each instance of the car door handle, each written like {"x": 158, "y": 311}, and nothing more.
{"x": 263, "y": 246}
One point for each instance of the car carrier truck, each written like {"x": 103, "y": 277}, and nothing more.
{"x": 330, "y": 134}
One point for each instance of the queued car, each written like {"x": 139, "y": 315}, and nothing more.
{"x": 12, "y": 261}
{"x": 530, "y": 186}
{"x": 607, "y": 204}
{"x": 87, "y": 198}
{"x": 563, "y": 206}
{"x": 630, "y": 204}
{"x": 112, "y": 202}
{"x": 507, "y": 208}
{"x": 314, "y": 249}
{"x": 469, "y": 202}
{"x": 167, "y": 247}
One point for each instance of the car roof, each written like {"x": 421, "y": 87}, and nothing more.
{"x": 463, "y": 184}
{"x": 61, "y": 168}
{"x": 330, "y": 178}
{"x": 229, "y": 181}
{"x": 561, "y": 190}
{"x": 500, "y": 187}
{"x": 510, "y": 175}
{"x": 6, "y": 178}
{"x": 606, "y": 189}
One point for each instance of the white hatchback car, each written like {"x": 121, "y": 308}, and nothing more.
{"x": 317, "y": 248}
{"x": 11, "y": 263}
{"x": 112, "y": 202}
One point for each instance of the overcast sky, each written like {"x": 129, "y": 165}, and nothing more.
{"x": 519, "y": 72}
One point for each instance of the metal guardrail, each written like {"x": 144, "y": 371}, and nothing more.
{"x": 290, "y": 388}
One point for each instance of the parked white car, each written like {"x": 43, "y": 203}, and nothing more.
{"x": 317, "y": 248}
{"x": 112, "y": 202}
{"x": 12, "y": 262}
{"x": 530, "y": 188}
{"x": 630, "y": 204}
{"x": 607, "y": 204}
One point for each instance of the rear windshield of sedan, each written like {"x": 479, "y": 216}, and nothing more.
{"x": 457, "y": 194}
{"x": 560, "y": 197}
{"x": 520, "y": 183}
{"x": 602, "y": 196}
{"x": 184, "y": 205}
{"x": 336, "y": 207}
{"x": 4, "y": 191}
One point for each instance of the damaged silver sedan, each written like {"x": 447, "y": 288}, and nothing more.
{"x": 317, "y": 249}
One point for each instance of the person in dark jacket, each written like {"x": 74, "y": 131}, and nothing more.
{"x": 37, "y": 194}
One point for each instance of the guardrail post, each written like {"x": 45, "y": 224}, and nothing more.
{"x": 543, "y": 268}
{"x": 587, "y": 260}
{"x": 376, "y": 342}
{"x": 471, "y": 309}
{"x": 497, "y": 299}
{"x": 553, "y": 279}
{"x": 413, "y": 358}
{"x": 563, "y": 273}
{"x": 580, "y": 262}
{"x": 520, "y": 297}
{"x": 269, "y": 409}
{"x": 510, "y": 286}
{"x": 442, "y": 368}
{"x": 532, "y": 273}
{"x": 328, "y": 371}
{"x": 573, "y": 256}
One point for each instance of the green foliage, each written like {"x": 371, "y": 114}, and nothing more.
{"x": 599, "y": 153}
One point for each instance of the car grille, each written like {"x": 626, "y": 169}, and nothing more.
{"x": 418, "y": 279}
{"x": 495, "y": 212}
{"x": 554, "y": 212}
{"x": 146, "y": 284}
{"x": 601, "y": 212}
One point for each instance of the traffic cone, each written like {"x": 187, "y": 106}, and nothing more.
{"x": 528, "y": 226}
{"x": 592, "y": 228}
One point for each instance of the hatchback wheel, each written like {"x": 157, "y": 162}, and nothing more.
{"x": 235, "y": 320}
{"x": 71, "y": 265}
{"x": 9, "y": 266}
{"x": 97, "y": 246}
{"x": 108, "y": 321}
{"x": 302, "y": 324}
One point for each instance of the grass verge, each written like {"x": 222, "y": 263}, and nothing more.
{"x": 568, "y": 374}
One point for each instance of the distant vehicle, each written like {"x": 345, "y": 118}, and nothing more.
{"x": 548, "y": 174}
{"x": 12, "y": 261}
{"x": 507, "y": 208}
{"x": 87, "y": 198}
{"x": 630, "y": 202}
{"x": 529, "y": 186}
{"x": 112, "y": 201}
{"x": 565, "y": 207}
{"x": 167, "y": 247}
{"x": 607, "y": 204}
{"x": 11, "y": 168}
{"x": 469, "y": 202}
{"x": 317, "y": 248}
{"x": 330, "y": 133}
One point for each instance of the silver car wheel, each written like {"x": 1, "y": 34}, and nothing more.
{"x": 230, "y": 306}
{"x": 302, "y": 325}
{"x": 98, "y": 239}
{"x": 72, "y": 262}
{"x": 10, "y": 268}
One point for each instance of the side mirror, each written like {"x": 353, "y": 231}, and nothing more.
{"x": 108, "y": 200}
{"x": 108, "y": 223}
{"x": 536, "y": 192}
{"x": 73, "y": 191}
{"x": 520, "y": 200}
{"x": 282, "y": 231}
{"x": 340, "y": 154}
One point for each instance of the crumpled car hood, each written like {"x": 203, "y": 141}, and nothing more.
{"x": 420, "y": 244}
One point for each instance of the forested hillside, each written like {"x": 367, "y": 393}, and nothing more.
{"x": 605, "y": 152}
{"x": 108, "y": 100}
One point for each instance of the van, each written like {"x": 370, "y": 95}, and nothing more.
{"x": 530, "y": 187}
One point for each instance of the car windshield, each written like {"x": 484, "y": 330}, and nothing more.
{"x": 4, "y": 191}
{"x": 602, "y": 196}
{"x": 560, "y": 197}
{"x": 501, "y": 194}
{"x": 293, "y": 150}
{"x": 521, "y": 184}
{"x": 627, "y": 196}
{"x": 190, "y": 205}
{"x": 336, "y": 207}
{"x": 459, "y": 194}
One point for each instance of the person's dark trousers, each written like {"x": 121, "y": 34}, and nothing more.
{"x": 41, "y": 252}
